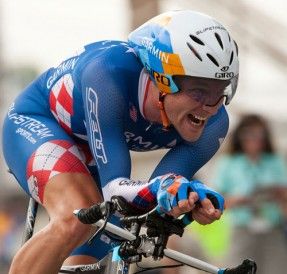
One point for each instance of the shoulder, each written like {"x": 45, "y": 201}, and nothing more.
{"x": 111, "y": 61}
{"x": 111, "y": 56}
{"x": 104, "y": 65}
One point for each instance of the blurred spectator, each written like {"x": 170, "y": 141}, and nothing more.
{"x": 254, "y": 181}
{"x": 12, "y": 218}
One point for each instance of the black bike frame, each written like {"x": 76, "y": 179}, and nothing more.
{"x": 30, "y": 220}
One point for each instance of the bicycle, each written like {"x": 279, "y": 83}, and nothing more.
{"x": 134, "y": 245}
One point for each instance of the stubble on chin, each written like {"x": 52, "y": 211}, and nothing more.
{"x": 190, "y": 136}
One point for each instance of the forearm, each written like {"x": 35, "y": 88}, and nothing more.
{"x": 139, "y": 193}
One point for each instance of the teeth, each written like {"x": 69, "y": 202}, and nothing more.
{"x": 196, "y": 119}
{"x": 199, "y": 117}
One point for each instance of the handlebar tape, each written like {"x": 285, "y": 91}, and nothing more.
{"x": 90, "y": 215}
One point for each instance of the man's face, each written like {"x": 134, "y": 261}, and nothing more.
{"x": 189, "y": 109}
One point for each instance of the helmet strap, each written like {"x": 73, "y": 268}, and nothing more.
{"x": 164, "y": 118}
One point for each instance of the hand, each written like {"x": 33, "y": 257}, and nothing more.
{"x": 210, "y": 205}
{"x": 175, "y": 196}
{"x": 185, "y": 206}
{"x": 205, "y": 213}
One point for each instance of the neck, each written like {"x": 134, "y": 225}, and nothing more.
{"x": 151, "y": 108}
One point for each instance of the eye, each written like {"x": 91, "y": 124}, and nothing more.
{"x": 196, "y": 93}
{"x": 219, "y": 92}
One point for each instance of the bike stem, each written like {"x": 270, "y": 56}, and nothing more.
{"x": 172, "y": 254}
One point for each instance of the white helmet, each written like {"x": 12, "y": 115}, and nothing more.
{"x": 186, "y": 43}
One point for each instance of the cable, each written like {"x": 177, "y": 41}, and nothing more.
{"x": 157, "y": 267}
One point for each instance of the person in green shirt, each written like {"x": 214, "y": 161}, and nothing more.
{"x": 253, "y": 180}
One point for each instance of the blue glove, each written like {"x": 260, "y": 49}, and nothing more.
{"x": 172, "y": 189}
{"x": 204, "y": 191}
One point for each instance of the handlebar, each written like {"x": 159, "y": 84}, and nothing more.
{"x": 158, "y": 231}
{"x": 92, "y": 214}
{"x": 103, "y": 210}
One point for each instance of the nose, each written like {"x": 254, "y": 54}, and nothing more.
{"x": 210, "y": 109}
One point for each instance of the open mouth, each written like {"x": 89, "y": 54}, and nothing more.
{"x": 196, "y": 120}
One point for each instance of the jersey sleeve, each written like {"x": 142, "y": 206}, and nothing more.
{"x": 105, "y": 104}
{"x": 187, "y": 158}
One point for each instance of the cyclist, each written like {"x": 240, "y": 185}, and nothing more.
{"x": 74, "y": 126}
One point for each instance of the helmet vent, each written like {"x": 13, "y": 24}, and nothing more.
{"x": 228, "y": 37}
{"x": 212, "y": 59}
{"x": 194, "y": 51}
{"x": 196, "y": 40}
{"x": 218, "y": 39}
{"x": 231, "y": 58}
{"x": 236, "y": 48}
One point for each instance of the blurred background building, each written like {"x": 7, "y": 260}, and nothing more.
{"x": 35, "y": 35}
